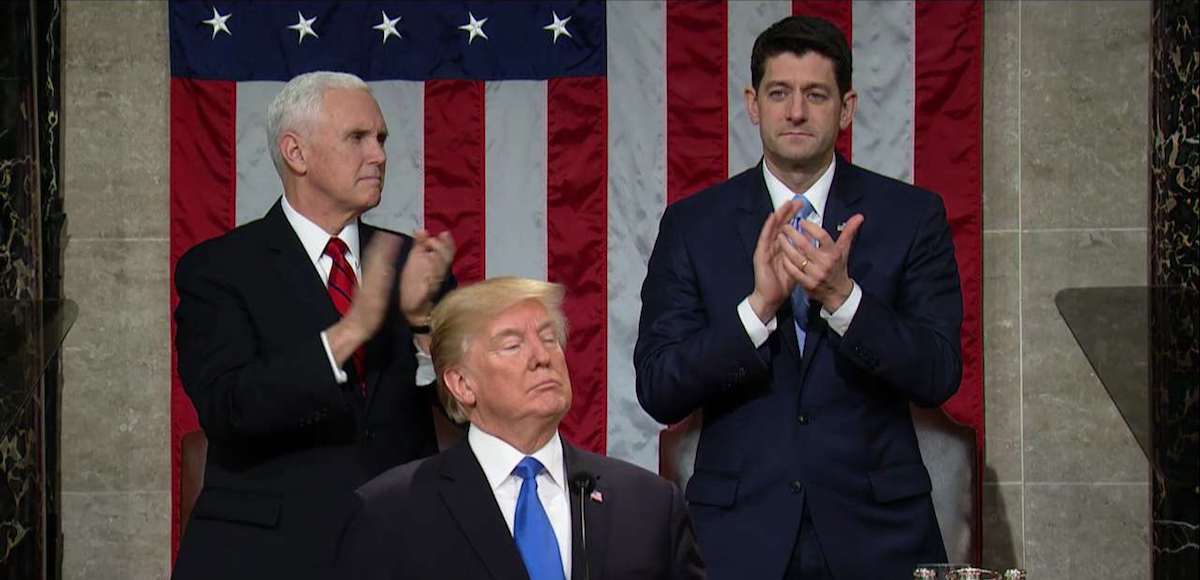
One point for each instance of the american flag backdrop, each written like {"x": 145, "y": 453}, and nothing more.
{"x": 550, "y": 136}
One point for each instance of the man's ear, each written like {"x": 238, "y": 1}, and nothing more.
{"x": 461, "y": 387}
{"x": 751, "y": 104}
{"x": 849, "y": 104}
{"x": 292, "y": 150}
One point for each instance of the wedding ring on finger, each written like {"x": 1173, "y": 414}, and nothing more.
{"x": 803, "y": 264}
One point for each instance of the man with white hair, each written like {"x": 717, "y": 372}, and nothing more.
{"x": 305, "y": 381}
{"x": 513, "y": 500}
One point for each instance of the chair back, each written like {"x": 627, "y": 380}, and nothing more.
{"x": 193, "y": 454}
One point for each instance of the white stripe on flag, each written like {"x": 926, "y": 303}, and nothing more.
{"x": 515, "y": 186}
{"x": 403, "y": 205}
{"x": 884, "y": 49}
{"x": 258, "y": 184}
{"x": 637, "y": 185}
{"x": 746, "y": 21}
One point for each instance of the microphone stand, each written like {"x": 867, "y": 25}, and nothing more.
{"x": 583, "y": 483}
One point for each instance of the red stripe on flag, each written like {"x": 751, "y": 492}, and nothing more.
{"x": 454, "y": 170}
{"x": 841, "y": 14}
{"x": 203, "y": 183}
{"x": 946, "y": 152}
{"x": 697, "y": 96}
{"x": 577, "y": 243}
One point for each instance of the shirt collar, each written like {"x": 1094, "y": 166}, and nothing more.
{"x": 313, "y": 238}
{"x": 498, "y": 458}
{"x": 816, "y": 195}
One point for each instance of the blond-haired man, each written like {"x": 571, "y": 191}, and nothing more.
{"x": 513, "y": 500}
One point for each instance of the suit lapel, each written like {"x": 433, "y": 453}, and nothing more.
{"x": 754, "y": 207}
{"x": 595, "y": 514}
{"x": 295, "y": 268}
{"x": 839, "y": 206}
{"x": 467, "y": 496}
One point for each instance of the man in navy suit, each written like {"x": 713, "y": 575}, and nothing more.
{"x": 304, "y": 380}
{"x": 513, "y": 500}
{"x": 802, "y": 305}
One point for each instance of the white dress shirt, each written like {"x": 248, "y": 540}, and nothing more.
{"x": 498, "y": 460}
{"x": 816, "y": 195}
{"x": 314, "y": 239}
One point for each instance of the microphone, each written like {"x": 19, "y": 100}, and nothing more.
{"x": 583, "y": 483}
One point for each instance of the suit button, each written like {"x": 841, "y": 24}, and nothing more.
{"x": 797, "y": 487}
{"x": 369, "y": 435}
{"x": 802, "y": 418}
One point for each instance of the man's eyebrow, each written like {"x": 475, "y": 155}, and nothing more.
{"x": 507, "y": 332}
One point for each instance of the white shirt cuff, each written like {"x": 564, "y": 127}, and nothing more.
{"x": 755, "y": 329}
{"x": 339, "y": 375}
{"x": 840, "y": 320}
{"x": 425, "y": 372}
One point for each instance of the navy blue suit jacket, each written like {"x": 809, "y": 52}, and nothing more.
{"x": 832, "y": 428}
{"x": 287, "y": 445}
{"x": 437, "y": 519}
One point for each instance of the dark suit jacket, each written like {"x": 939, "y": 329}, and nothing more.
{"x": 437, "y": 519}
{"x": 287, "y": 444}
{"x": 830, "y": 429}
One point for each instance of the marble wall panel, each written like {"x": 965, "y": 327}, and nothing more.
{"x": 1083, "y": 108}
{"x": 1087, "y": 531}
{"x": 21, "y": 496}
{"x": 19, "y": 193}
{"x": 117, "y": 368}
{"x": 116, "y": 536}
{"x": 1072, "y": 430}
{"x": 116, "y": 393}
{"x": 1001, "y": 358}
{"x": 1002, "y": 526}
{"x": 115, "y": 119}
{"x": 1001, "y": 114}
{"x": 1175, "y": 300}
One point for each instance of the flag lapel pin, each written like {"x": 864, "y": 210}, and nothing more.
{"x": 597, "y": 496}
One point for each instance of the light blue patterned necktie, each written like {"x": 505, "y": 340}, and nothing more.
{"x": 531, "y": 527}
{"x": 799, "y": 298}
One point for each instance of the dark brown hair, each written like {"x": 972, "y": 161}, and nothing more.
{"x": 800, "y": 35}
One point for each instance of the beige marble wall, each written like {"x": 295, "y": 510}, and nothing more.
{"x": 1065, "y": 192}
{"x": 116, "y": 466}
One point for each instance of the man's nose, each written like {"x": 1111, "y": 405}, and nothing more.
{"x": 797, "y": 109}
{"x": 539, "y": 355}
{"x": 376, "y": 152}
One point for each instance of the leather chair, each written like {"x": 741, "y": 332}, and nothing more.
{"x": 947, "y": 447}
{"x": 193, "y": 454}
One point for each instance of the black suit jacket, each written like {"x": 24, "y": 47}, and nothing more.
{"x": 438, "y": 519}
{"x": 287, "y": 444}
{"x": 829, "y": 428}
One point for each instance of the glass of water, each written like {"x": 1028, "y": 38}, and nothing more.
{"x": 941, "y": 570}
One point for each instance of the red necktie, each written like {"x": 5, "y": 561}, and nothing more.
{"x": 342, "y": 283}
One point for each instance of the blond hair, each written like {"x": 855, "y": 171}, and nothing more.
{"x": 465, "y": 312}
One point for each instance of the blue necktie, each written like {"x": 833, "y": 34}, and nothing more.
{"x": 531, "y": 528}
{"x": 799, "y": 298}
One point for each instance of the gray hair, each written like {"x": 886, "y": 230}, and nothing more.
{"x": 299, "y": 104}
